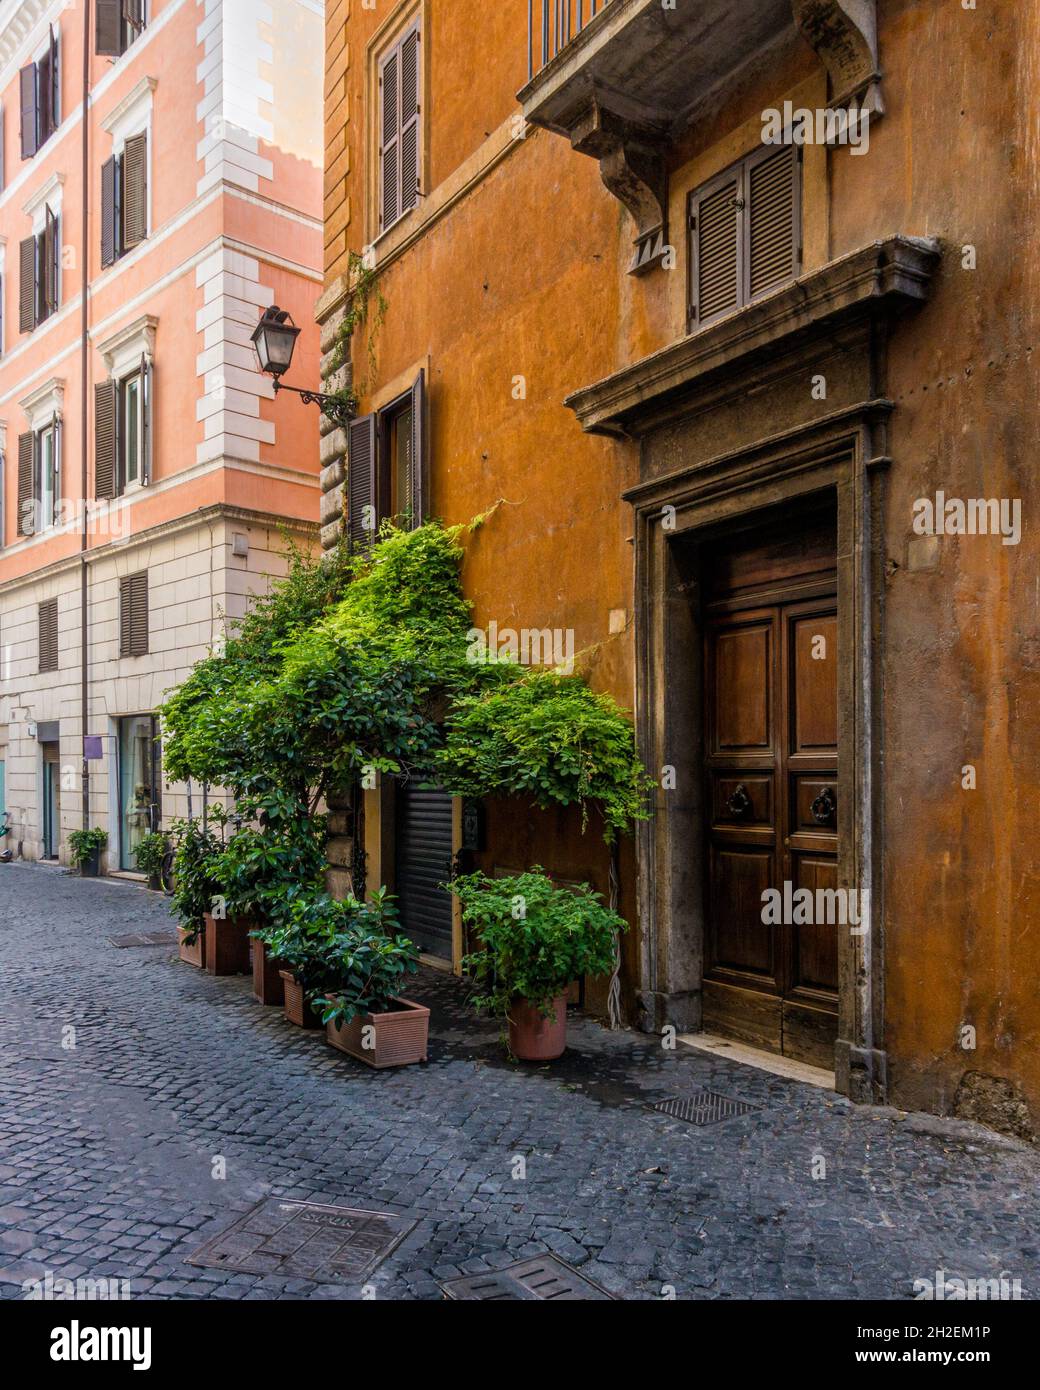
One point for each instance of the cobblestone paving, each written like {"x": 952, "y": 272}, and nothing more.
{"x": 107, "y": 1150}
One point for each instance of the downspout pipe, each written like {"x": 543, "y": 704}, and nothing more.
{"x": 84, "y": 352}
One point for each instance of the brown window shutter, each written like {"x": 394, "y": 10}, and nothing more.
{"x": 147, "y": 388}
{"x": 105, "y": 478}
{"x": 389, "y": 145}
{"x": 26, "y": 481}
{"x": 54, "y": 74}
{"x": 715, "y": 252}
{"x": 772, "y": 215}
{"x": 418, "y": 451}
{"x": 109, "y": 181}
{"x": 48, "y": 635}
{"x": 135, "y": 191}
{"x": 27, "y": 94}
{"x": 361, "y": 482}
{"x": 410, "y": 120}
{"x": 51, "y": 264}
{"x": 108, "y": 29}
{"x": 27, "y": 285}
{"x": 133, "y": 615}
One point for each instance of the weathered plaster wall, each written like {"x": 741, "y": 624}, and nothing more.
{"x": 525, "y": 276}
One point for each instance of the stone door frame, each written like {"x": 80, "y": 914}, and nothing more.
{"x": 843, "y": 456}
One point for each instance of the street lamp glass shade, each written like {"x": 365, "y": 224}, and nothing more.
{"x": 274, "y": 339}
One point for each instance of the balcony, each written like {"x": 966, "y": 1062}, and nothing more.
{"x": 621, "y": 79}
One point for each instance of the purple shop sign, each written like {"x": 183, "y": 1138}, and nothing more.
{"x": 93, "y": 750}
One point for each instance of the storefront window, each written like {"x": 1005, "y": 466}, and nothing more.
{"x": 139, "y": 789}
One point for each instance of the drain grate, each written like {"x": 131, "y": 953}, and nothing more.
{"x": 703, "y": 1108}
{"x": 545, "y": 1277}
{"x": 144, "y": 938}
{"x": 303, "y": 1240}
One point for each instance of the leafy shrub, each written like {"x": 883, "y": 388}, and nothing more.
{"x": 195, "y": 863}
{"x": 551, "y": 737}
{"x": 535, "y": 938}
{"x": 361, "y": 960}
{"x": 84, "y": 843}
{"x": 150, "y": 852}
{"x": 270, "y": 864}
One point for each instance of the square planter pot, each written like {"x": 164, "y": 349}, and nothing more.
{"x": 397, "y": 1039}
{"x": 267, "y": 978}
{"x": 91, "y": 868}
{"x": 193, "y": 954}
{"x": 227, "y": 945}
{"x": 297, "y": 1010}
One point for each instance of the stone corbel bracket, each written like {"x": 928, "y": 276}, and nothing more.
{"x": 633, "y": 168}
{"x": 844, "y": 35}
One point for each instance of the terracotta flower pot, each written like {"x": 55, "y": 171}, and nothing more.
{"x": 532, "y": 1036}
{"x": 396, "y": 1039}
{"x": 267, "y": 978}
{"x": 297, "y": 1010}
{"x": 193, "y": 953}
{"x": 227, "y": 945}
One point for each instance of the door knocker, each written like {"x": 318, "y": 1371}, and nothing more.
{"x": 824, "y": 806}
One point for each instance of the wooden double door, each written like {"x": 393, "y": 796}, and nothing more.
{"x": 771, "y": 765}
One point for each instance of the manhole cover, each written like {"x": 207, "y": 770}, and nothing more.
{"x": 329, "y": 1245}
{"x": 544, "y": 1277}
{"x": 144, "y": 938}
{"x": 703, "y": 1108}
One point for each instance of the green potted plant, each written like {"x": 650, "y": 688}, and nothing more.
{"x": 149, "y": 854}
{"x": 268, "y": 865}
{"x": 86, "y": 847}
{"x": 534, "y": 939}
{"x": 299, "y": 944}
{"x": 196, "y": 853}
{"x": 363, "y": 965}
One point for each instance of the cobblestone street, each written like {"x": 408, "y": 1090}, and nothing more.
{"x": 108, "y": 1149}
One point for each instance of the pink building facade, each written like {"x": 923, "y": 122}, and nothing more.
{"x": 154, "y": 199}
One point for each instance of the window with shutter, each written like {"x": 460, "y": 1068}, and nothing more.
{"x": 418, "y": 450}
{"x": 48, "y": 635}
{"x": 27, "y": 285}
{"x": 135, "y": 191}
{"x": 26, "y": 484}
{"x": 772, "y": 216}
{"x": 400, "y": 135}
{"x": 108, "y": 28}
{"x": 51, "y": 276}
{"x": 109, "y": 209}
{"x": 27, "y": 91}
{"x": 133, "y": 614}
{"x": 361, "y": 482}
{"x": 105, "y": 440}
{"x": 745, "y": 233}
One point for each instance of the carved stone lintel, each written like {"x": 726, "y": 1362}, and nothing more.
{"x": 844, "y": 34}
{"x": 633, "y": 168}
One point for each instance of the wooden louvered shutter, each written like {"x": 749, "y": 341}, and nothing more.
{"x": 50, "y": 265}
{"x": 389, "y": 143}
{"x": 716, "y": 271}
{"x": 26, "y": 483}
{"x": 109, "y": 204}
{"x": 772, "y": 218}
{"x": 108, "y": 30}
{"x": 135, "y": 191}
{"x": 48, "y": 635}
{"x": 133, "y": 615}
{"x": 54, "y": 73}
{"x": 27, "y": 285}
{"x": 409, "y": 118}
{"x": 417, "y": 452}
{"x": 59, "y": 431}
{"x": 362, "y": 519}
{"x": 27, "y": 91}
{"x": 105, "y": 404}
{"x": 147, "y": 382}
